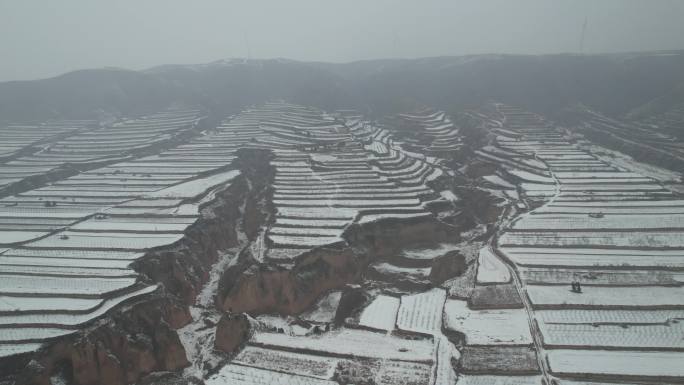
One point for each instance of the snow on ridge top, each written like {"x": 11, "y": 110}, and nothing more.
{"x": 17, "y": 304}
{"x": 429, "y": 253}
{"x": 323, "y": 157}
{"x": 200, "y": 66}
{"x": 497, "y": 180}
{"x": 7, "y": 350}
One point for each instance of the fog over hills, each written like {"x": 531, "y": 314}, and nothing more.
{"x": 615, "y": 84}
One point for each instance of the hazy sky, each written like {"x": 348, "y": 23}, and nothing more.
{"x": 43, "y": 38}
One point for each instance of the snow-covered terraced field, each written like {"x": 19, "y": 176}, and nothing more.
{"x": 615, "y": 317}
{"x": 594, "y": 257}
{"x": 288, "y": 362}
{"x": 487, "y": 327}
{"x": 381, "y": 313}
{"x": 70, "y": 320}
{"x": 316, "y": 183}
{"x": 498, "y": 380}
{"x": 233, "y": 374}
{"x": 439, "y": 137}
{"x": 105, "y": 240}
{"x": 619, "y": 233}
{"x": 598, "y": 239}
{"x": 93, "y": 225}
{"x": 497, "y": 180}
{"x": 194, "y": 187}
{"x": 31, "y": 138}
{"x": 403, "y": 373}
{"x": 302, "y": 242}
{"x": 19, "y": 305}
{"x": 630, "y": 208}
{"x": 532, "y": 178}
{"x": 84, "y": 286}
{"x": 578, "y": 222}
{"x": 351, "y": 343}
{"x": 87, "y": 141}
{"x": 600, "y": 276}
{"x": 660, "y": 336}
{"x": 67, "y": 247}
{"x": 490, "y": 269}
{"x": 620, "y": 364}
{"x": 422, "y": 312}
{"x": 654, "y": 297}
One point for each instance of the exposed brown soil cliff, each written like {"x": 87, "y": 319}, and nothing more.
{"x": 259, "y": 288}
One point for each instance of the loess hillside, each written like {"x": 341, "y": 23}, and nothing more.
{"x": 319, "y": 228}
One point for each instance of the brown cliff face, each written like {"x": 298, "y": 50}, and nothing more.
{"x": 481, "y": 205}
{"x": 352, "y": 301}
{"x": 232, "y": 331}
{"x": 389, "y": 236}
{"x": 136, "y": 340}
{"x": 447, "y": 266}
{"x": 184, "y": 268}
{"x": 269, "y": 288}
{"x": 274, "y": 289}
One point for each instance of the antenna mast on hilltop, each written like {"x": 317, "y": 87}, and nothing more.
{"x": 394, "y": 44}
{"x": 584, "y": 31}
{"x": 249, "y": 51}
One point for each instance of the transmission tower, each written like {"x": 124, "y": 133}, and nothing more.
{"x": 584, "y": 32}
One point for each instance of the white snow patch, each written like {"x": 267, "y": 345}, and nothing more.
{"x": 656, "y": 364}
{"x": 324, "y": 310}
{"x": 381, "y": 313}
{"x": 194, "y": 187}
{"x": 422, "y": 312}
{"x": 490, "y": 269}
{"x": 488, "y": 327}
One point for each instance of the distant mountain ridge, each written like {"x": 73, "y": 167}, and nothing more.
{"x": 615, "y": 84}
